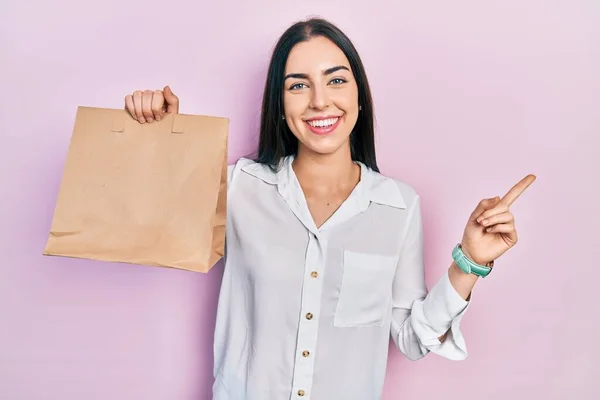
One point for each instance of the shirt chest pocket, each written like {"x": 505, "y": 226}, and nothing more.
{"x": 366, "y": 289}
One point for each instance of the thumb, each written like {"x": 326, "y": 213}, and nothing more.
{"x": 485, "y": 204}
{"x": 171, "y": 100}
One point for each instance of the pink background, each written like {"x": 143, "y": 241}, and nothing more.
{"x": 470, "y": 97}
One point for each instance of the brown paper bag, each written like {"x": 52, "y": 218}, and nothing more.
{"x": 150, "y": 194}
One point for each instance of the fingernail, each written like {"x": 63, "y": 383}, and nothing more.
{"x": 142, "y": 120}
{"x": 485, "y": 222}
{"x": 488, "y": 230}
{"x": 158, "y": 117}
{"x": 150, "y": 119}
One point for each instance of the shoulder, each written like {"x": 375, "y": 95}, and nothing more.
{"x": 236, "y": 167}
{"x": 233, "y": 170}
{"x": 250, "y": 167}
{"x": 410, "y": 194}
{"x": 392, "y": 191}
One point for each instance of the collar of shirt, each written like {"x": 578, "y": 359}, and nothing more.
{"x": 371, "y": 188}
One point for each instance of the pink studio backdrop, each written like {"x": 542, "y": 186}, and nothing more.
{"x": 470, "y": 96}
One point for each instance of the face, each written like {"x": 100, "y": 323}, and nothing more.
{"x": 320, "y": 96}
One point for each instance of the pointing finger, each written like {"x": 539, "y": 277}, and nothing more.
{"x": 517, "y": 190}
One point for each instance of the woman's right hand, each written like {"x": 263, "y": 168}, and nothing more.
{"x": 149, "y": 106}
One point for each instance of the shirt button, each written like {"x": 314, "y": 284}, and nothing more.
{"x": 309, "y": 316}
{"x": 314, "y": 274}
{"x": 305, "y": 353}
{"x": 301, "y": 393}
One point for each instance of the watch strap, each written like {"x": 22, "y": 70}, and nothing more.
{"x": 469, "y": 266}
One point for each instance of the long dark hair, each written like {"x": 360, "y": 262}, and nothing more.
{"x": 276, "y": 139}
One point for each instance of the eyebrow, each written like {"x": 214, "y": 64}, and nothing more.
{"x": 326, "y": 72}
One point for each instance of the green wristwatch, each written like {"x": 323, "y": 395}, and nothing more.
{"x": 469, "y": 266}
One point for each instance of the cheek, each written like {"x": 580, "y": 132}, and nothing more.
{"x": 294, "y": 105}
{"x": 346, "y": 100}
{"x": 293, "y": 109}
{"x": 349, "y": 105}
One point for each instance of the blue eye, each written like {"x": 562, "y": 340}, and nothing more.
{"x": 296, "y": 86}
{"x": 338, "y": 81}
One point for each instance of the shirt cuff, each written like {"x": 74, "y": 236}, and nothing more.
{"x": 441, "y": 311}
{"x": 443, "y": 305}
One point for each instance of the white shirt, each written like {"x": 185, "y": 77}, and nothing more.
{"x": 306, "y": 312}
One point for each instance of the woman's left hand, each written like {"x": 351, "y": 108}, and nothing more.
{"x": 490, "y": 231}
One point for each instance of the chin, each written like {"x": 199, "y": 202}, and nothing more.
{"x": 325, "y": 146}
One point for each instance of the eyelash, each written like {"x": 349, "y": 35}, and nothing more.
{"x": 342, "y": 81}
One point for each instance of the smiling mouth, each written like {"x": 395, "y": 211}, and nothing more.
{"x": 323, "y": 123}
{"x": 323, "y": 126}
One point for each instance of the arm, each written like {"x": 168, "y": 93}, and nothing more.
{"x": 425, "y": 321}
{"x": 462, "y": 283}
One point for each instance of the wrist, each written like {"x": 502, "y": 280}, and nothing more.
{"x": 468, "y": 264}
{"x": 467, "y": 253}
{"x": 457, "y": 271}
{"x": 461, "y": 281}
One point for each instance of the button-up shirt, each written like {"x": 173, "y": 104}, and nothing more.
{"x": 306, "y": 312}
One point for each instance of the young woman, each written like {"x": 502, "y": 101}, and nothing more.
{"x": 324, "y": 255}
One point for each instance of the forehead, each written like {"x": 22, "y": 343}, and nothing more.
{"x": 315, "y": 55}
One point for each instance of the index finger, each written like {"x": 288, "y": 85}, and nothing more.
{"x": 514, "y": 193}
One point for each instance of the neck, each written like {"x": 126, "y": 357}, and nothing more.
{"x": 332, "y": 171}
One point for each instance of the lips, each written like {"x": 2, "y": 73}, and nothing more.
{"x": 323, "y": 126}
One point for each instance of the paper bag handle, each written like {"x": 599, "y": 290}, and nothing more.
{"x": 178, "y": 124}
{"x": 118, "y": 123}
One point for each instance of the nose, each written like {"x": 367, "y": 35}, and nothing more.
{"x": 319, "y": 98}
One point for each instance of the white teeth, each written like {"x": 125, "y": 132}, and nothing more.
{"x": 323, "y": 122}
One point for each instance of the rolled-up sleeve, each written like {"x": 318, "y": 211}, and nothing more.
{"x": 419, "y": 317}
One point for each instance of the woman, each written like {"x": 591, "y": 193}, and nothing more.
{"x": 324, "y": 255}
